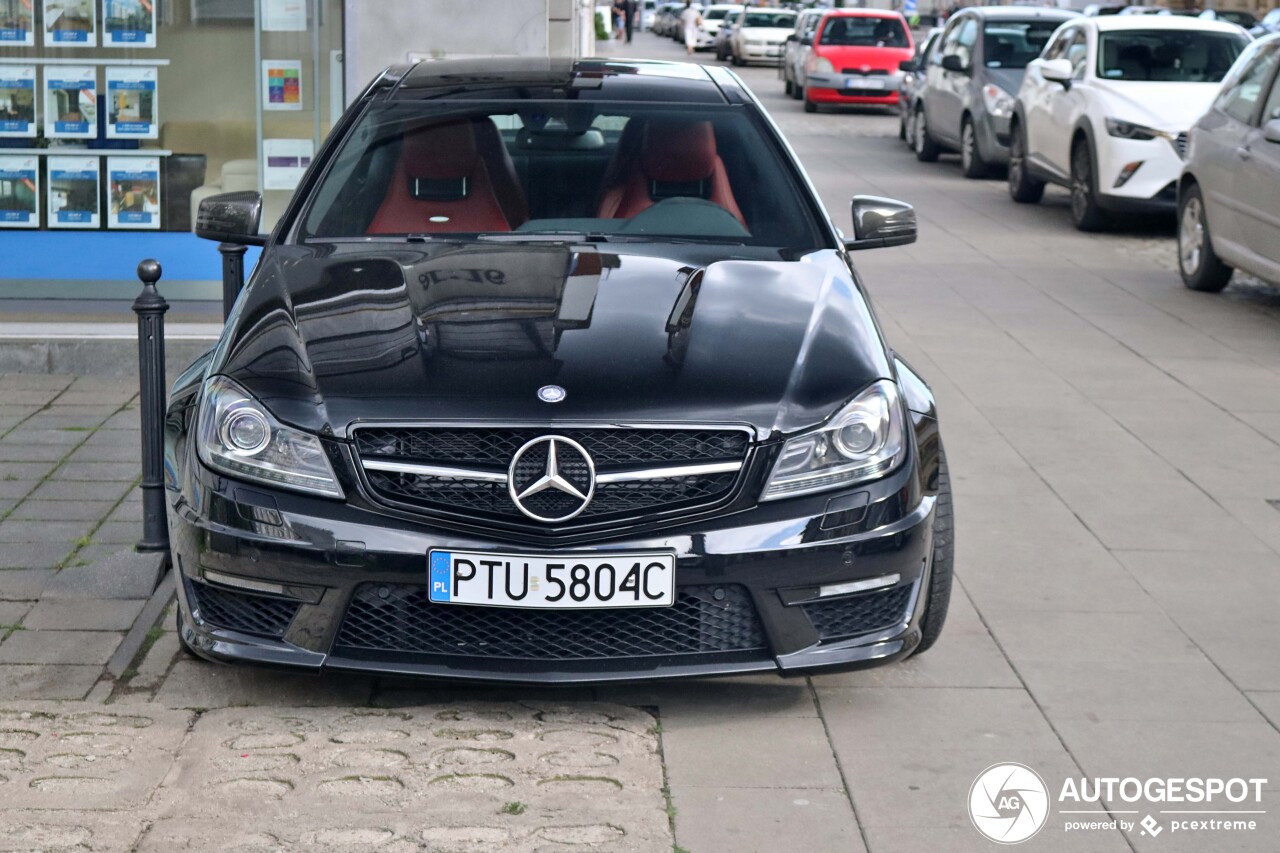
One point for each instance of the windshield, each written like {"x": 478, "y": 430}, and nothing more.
{"x": 1167, "y": 56}
{"x": 770, "y": 19}
{"x": 864, "y": 32}
{"x": 599, "y": 171}
{"x": 715, "y": 14}
{"x": 1012, "y": 44}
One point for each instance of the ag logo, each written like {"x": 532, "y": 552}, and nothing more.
{"x": 1008, "y": 803}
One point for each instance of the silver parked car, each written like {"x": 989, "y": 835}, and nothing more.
{"x": 1229, "y": 192}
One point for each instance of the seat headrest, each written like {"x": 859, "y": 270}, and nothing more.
{"x": 677, "y": 151}
{"x": 440, "y": 151}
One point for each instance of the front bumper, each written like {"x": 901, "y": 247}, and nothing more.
{"x": 831, "y": 88}
{"x": 1150, "y": 186}
{"x": 322, "y": 556}
{"x": 761, "y": 53}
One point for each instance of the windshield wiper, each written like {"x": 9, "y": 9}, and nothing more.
{"x": 544, "y": 236}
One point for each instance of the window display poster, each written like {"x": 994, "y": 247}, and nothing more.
{"x": 131, "y": 103}
{"x": 134, "y": 192}
{"x": 70, "y": 23}
{"x": 17, "y": 100}
{"x": 284, "y": 16}
{"x": 19, "y": 192}
{"x": 128, "y": 23}
{"x": 287, "y": 160}
{"x": 73, "y": 192}
{"x": 281, "y": 84}
{"x": 70, "y": 101}
{"x": 17, "y": 23}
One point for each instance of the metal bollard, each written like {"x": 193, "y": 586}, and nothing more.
{"x": 150, "y": 307}
{"x": 232, "y": 274}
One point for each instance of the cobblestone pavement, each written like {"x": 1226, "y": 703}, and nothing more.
{"x": 1115, "y": 446}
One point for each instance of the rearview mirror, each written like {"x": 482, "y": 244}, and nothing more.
{"x": 1056, "y": 70}
{"x": 881, "y": 222}
{"x": 1271, "y": 130}
{"x": 909, "y": 65}
{"x": 231, "y": 218}
{"x": 951, "y": 62}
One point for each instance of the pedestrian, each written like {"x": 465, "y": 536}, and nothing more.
{"x": 690, "y": 19}
{"x": 619, "y": 11}
{"x": 629, "y": 10}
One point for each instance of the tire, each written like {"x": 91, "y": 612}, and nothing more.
{"x": 941, "y": 565}
{"x": 1085, "y": 212}
{"x": 797, "y": 91}
{"x": 810, "y": 106}
{"x": 927, "y": 150}
{"x": 1023, "y": 188}
{"x": 911, "y": 130}
{"x": 788, "y": 86}
{"x": 902, "y": 124}
{"x": 970, "y": 157}
{"x": 1199, "y": 264}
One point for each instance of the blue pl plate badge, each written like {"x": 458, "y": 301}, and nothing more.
{"x": 441, "y": 576}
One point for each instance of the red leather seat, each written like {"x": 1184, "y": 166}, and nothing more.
{"x": 441, "y": 183}
{"x": 676, "y": 159}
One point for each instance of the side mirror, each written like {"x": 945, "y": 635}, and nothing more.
{"x": 881, "y": 222}
{"x": 1056, "y": 70}
{"x": 1271, "y": 130}
{"x": 909, "y": 65}
{"x": 951, "y": 62}
{"x": 231, "y": 218}
{"x": 806, "y": 39}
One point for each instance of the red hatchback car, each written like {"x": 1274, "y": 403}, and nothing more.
{"x": 853, "y": 58}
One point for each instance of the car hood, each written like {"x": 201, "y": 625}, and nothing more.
{"x": 1163, "y": 106}
{"x": 330, "y": 335}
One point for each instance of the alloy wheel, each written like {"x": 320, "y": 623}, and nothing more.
{"x": 1191, "y": 236}
{"x": 1081, "y": 186}
{"x": 968, "y": 144}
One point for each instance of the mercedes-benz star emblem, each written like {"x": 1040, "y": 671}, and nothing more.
{"x": 551, "y": 478}
{"x": 551, "y": 393}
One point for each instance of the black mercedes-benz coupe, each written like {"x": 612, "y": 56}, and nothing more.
{"x": 556, "y": 371}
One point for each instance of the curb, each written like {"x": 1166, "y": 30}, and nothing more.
{"x": 132, "y": 642}
{"x": 115, "y": 358}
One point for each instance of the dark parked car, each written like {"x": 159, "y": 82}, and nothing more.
{"x": 912, "y": 80}
{"x": 971, "y": 83}
{"x": 557, "y": 371}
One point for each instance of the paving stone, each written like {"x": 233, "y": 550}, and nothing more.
{"x": 24, "y": 470}
{"x": 739, "y": 820}
{"x": 13, "y": 531}
{"x": 123, "y": 574}
{"x": 59, "y": 437}
{"x": 60, "y": 490}
{"x": 749, "y": 696}
{"x": 11, "y": 612}
{"x": 37, "y": 510}
{"x": 12, "y": 452}
{"x": 60, "y": 647}
{"x": 23, "y": 584}
{"x": 119, "y": 532}
{"x": 16, "y": 488}
{"x": 27, "y": 681}
{"x": 107, "y": 453}
{"x": 90, "y": 615}
{"x": 32, "y": 555}
{"x": 200, "y": 684}
{"x": 708, "y": 749}
{"x": 158, "y": 660}
{"x": 98, "y": 471}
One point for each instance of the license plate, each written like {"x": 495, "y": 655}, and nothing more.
{"x": 555, "y": 581}
{"x": 863, "y": 83}
{"x": 772, "y": 51}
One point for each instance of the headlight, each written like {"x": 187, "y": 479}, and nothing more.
{"x": 1129, "y": 130}
{"x": 822, "y": 65}
{"x": 998, "y": 102}
{"x": 237, "y": 436}
{"x": 863, "y": 441}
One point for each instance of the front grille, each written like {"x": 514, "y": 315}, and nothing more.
{"x": 239, "y": 611}
{"x": 1180, "y": 145}
{"x": 491, "y": 450}
{"x": 400, "y": 619}
{"x": 859, "y": 614}
{"x": 874, "y": 72}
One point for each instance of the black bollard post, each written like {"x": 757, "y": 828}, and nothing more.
{"x": 232, "y": 274}
{"x": 150, "y": 307}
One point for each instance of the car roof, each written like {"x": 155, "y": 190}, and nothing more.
{"x": 863, "y": 13}
{"x": 1111, "y": 23}
{"x": 541, "y": 78}
{"x": 1019, "y": 13}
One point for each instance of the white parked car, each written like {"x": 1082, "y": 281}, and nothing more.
{"x": 1105, "y": 109}
{"x": 759, "y": 35}
{"x": 713, "y": 18}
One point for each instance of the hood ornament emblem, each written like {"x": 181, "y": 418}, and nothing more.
{"x": 551, "y": 479}
{"x": 551, "y": 393}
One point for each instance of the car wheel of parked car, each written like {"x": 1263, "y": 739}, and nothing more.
{"x": 797, "y": 91}
{"x": 970, "y": 158}
{"x": 927, "y": 150}
{"x": 911, "y": 131}
{"x": 1085, "y": 212}
{"x": 1199, "y": 264}
{"x": 810, "y": 106}
{"x": 902, "y": 125}
{"x": 940, "y": 565}
{"x": 1023, "y": 188}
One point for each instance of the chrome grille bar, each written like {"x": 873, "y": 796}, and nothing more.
{"x": 496, "y": 477}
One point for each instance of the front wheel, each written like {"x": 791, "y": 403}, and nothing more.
{"x": 941, "y": 565}
{"x": 1087, "y": 214}
{"x": 1023, "y": 188}
{"x": 1199, "y": 264}
{"x": 971, "y": 161}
